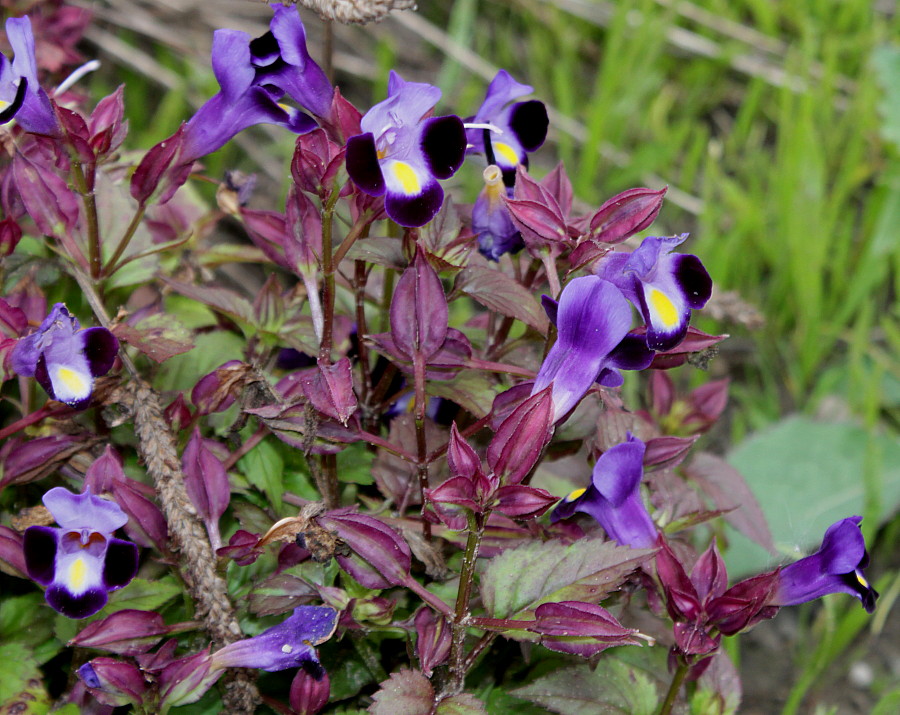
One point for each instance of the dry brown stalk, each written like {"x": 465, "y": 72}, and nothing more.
{"x": 357, "y": 12}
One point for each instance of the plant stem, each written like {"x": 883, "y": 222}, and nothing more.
{"x": 674, "y": 688}
{"x": 421, "y": 446}
{"x": 111, "y": 266}
{"x": 436, "y": 603}
{"x": 461, "y": 613}
{"x": 327, "y": 277}
{"x": 90, "y": 214}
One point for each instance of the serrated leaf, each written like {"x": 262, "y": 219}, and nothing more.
{"x": 521, "y": 579}
{"x": 406, "y": 692}
{"x": 263, "y": 467}
{"x": 614, "y": 688}
{"x": 497, "y": 291}
{"x": 380, "y": 250}
{"x": 159, "y": 337}
{"x": 143, "y": 595}
{"x": 225, "y": 301}
{"x": 21, "y": 681}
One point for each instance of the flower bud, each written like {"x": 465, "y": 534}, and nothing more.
{"x": 626, "y": 214}
{"x": 308, "y": 694}
{"x": 433, "y": 639}
{"x": 114, "y": 682}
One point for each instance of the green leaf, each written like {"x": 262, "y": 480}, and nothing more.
{"x": 21, "y": 681}
{"x": 20, "y": 620}
{"x": 348, "y": 675}
{"x": 473, "y": 390}
{"x": 263, "y": 467}
{"x": 886, "y": 61}
{"x": 212, "y": 350}
{"x": 500, "y": 702}
{"x": 143, "y": 595}
{"x": 462, "y": 704}
{"x": 355, "y": 465}
{"x": 406, "y": 692}
{"x": 806, "y": 475}
{"x": 521, "y": 579}
{"x": 614, "y": 687}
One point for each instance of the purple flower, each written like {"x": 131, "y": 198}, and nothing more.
{"x": 614, "y": 497}
{"x": 663, "y": 286}
{"x": 254, "y": 75}
{"x": 81, "y": 562}
{"x": 403, "y": 151}
{"x": 21, "y": 95}
{"x": 837, "y": 567}
{"x": 491, "y": 222}
{"x": 290, "y": 644}
{"x": 593, "y": 318}
{"x": 515, "y": 128}
{"x": 64, "y": 359}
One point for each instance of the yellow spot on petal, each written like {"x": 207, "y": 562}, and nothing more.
{"x": 663, "y": 307}
{"x": 73, "y": 381}
{"x": 77, "y": 573}
{"x": 380, "y": 153}
{"x": 507, "y": 152}
{"x": 405, "y": 174}
{"x": 577, "y": 493}
{"x": 862, "y": 579}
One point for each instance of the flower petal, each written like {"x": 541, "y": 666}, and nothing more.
{"x": 84, "y": 511}
{"x": 120, "y": 565}
{"x": 412, "y": 197}
{"x": 40, "y": 544}
{"x": 363, "y": 166}
{"x": 443, "y": 142}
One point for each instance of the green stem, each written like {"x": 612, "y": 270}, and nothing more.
{"x": 674, "y": 688}
{"x": 90, "y": 214}
{"x": 111, "y": 266}
{"x": 461, "y": 613}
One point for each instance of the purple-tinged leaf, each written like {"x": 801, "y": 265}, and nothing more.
{"x": 216, "y": 391}
{"x": 156, "y": 169}
{"x": 501, "y": 293}
{"x": 419, "y": 312}
{"x": 223, "y": 300}
{"x": 381, "y": 557}
{"x": 397, "y": 478}
{"x": 281, "y": 593}
{"x": 35, "y": 459}
{"x": 559, "y": 186}
{"x": 626, "y": 214}
{"x": 10, "y": 235}
{"x": 696, "y": 341}
{"x": 726, "y": 488}
{"x": 433, "y": 639}
{"x": 76, "y": 136}
{"x": 127, "y": 632}
{"x": 308, "y": 694}
{"x": 303, "y": 244}
{"x": 463, "y": 460}
{"x": 330, "y": 389}
{"x": 521, "y": 579}
{"x": 13, "y": 321}
{"x": 682, "y": 599}
{"x": 521, "y": 438}
{"x": 206, "y": 482}
{"x": 578, "y": 628}
{"x": 177, "y": 415}
{"x": 159, "y": 337}
{"x": 47, "y": 198}
{"x": 406, "y": 692}
{"x": 242, "y": 548}
{"x": 452, "y": 500}
{"x": 106, "y": 126}
{"x": 114, "y": 682}
{"x": 667, "y": 452}
{"x": 518, "y": 501}
{"x": 186, "y": 680}
{"x": 541, "y": 227}
{"x": 709, "y": 402}
{"x": 316, "y": 162}
{"x": 723, "y": 680}
{"x": 12, "y": 558}
{"x": 662, "y": 393}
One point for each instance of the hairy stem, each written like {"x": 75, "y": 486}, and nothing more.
{"x": 461, "y": 612}
{"x": 111, "y": 265}
{"x": 89, "y": 200}
{"x": 674, "y": 688}
{"x": 327, "y": 277}
{"x": 421, "y": 446}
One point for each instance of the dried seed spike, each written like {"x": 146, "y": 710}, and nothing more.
{"x": 355, "y": 11}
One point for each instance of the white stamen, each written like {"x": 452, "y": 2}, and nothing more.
{"x": 77, "y": 75}
{"x": 483, "y": 125}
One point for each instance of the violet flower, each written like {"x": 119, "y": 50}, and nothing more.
{"x": 663, "y": 286}
{"x": 491, "y": 222}
{"x": 21, "y": 95}
{"x": 290, "y": 644}
{"x": 254, "y": 75}
{"x": 837, "y": 567}
{"x": 65, "y": 359}
{"x": 593, "y": 318}
{"x": 614, "y": 497}
{"x": 80, "y": 562}
{"x": 514, "y": 129}
{"x": 403, "y": 151}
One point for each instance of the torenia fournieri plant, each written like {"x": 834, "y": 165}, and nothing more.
{"x": 387, "y": 449}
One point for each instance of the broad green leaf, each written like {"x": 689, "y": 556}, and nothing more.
{"x": 614, "y": 687}
{"x": 348, "y": 675}
{"x": 886, "y": 60}
{"x": 473, "y": 390}
{"x": 540, "y": 572}
{"x": 143, "y": 595}
{"x": 21, "y": 681}
{"x": 263, "y": 467}
{"x": 499, "y": 702}
{"x": 806, "y": 475}
{"x": 406, "y": 692}
{"x": 20, "y": 620}
{"x": 354, "y": 465}
{"x": 182, "y": 372}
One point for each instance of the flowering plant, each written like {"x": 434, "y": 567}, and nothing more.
{"x": 402, "y": 440}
